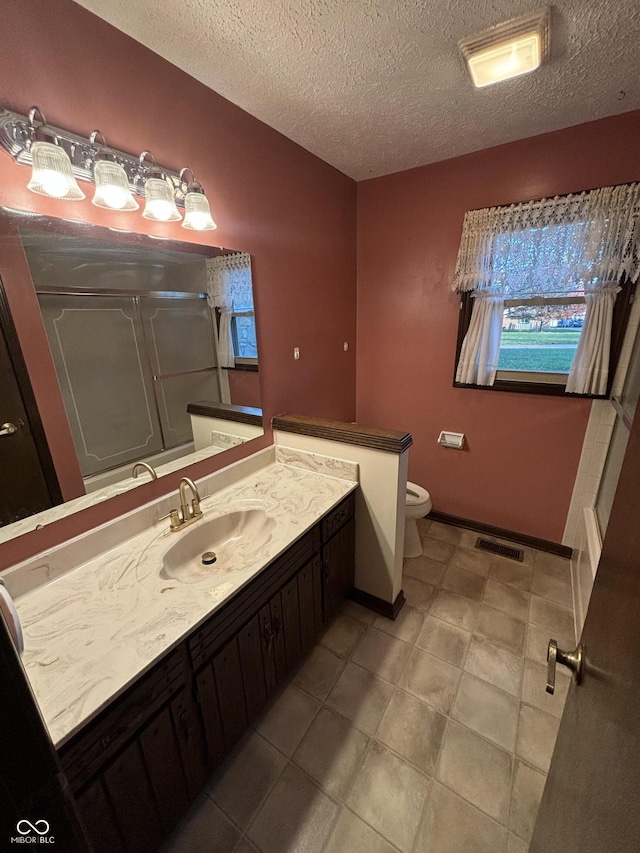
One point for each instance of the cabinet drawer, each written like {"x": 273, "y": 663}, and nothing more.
{"x": 87, "y": 752}
{"x": 338, "y": 517}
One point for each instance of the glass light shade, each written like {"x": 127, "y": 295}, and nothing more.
{"x": 507, "y": 60}
{"x": 51, "y": 173}
{"x": 161, "y": 204}
{"x": 197, "y": 215}
{"x": 112, "y": 187}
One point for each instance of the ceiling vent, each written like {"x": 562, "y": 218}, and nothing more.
{"x": 507, "y": 50}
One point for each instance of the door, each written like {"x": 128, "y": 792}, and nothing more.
{"x": 26, "y": 471}
{"x": 35, "y": 801}
{"x": 590, "y": 802}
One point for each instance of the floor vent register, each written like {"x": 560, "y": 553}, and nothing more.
{"x": 502, "y": 550}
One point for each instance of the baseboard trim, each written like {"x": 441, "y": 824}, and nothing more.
{"x": 378, "y": 605}
{"x": 502, "y": 533}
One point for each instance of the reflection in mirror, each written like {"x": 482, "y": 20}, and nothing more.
{"x": 131, "y": 331}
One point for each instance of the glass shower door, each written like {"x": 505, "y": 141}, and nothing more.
{"x": 98, "y": 349}
{"x": 180, "y": 340}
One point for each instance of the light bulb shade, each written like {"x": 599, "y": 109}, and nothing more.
{"x": 51, "y": 173}
{"x": 161, "y": 204}
{"x": 112, "y": 187}
{"x": 197, "y": 216}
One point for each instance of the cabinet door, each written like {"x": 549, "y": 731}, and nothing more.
{"x": 191, "y": 742}
{"x": 338, "y": 563}
{"x": 250, "y": 649}
{"x": 132, "y": 799}
{"x": 230, "y": 687}
{"x": 164, "y": 768}
{"x": 306, "y": 604}
{"x": 279, "y": 650}
{"x": 98, "y": 819}
{"x": 318, "y": 614}
{"x": 267, "y": 640}
{"x": 291, "y": 622}
{"x": 210, "y": 711}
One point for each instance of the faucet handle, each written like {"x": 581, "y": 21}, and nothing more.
{"x": 172, "y": 514}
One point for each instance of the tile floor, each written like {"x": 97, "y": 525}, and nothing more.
{"x": 430, "y": 734}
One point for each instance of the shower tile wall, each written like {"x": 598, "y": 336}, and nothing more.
{"x": 431, "y": 733}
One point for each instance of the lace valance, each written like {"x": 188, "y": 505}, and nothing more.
{"x": 229, "y": 282}
{"x": 564, "y": 246}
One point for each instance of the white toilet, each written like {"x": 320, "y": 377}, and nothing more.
{"x": 418, "y": 505}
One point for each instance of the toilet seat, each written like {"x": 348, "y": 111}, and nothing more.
{"x": 416, "y": 495}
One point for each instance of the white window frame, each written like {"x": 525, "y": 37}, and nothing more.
{"x": 537, "y": 376}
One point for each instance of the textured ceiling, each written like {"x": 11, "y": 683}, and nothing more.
{"x": 374, "y": 87}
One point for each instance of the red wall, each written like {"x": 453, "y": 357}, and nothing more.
{"x": 295, "y": 214}
{"x": 521, "y": 460}
{"x": 244, "y": 387}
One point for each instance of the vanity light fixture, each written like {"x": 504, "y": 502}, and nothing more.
{"x": 112, "y": 184}
{"x": 161, "y": 203}
{"x": 197, "y": 215}
{"x": 507, "y": 50}
{"x": 58, "y": 157}
{"x": 51, "y": 173}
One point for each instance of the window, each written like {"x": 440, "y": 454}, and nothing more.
{"x": 244, "y": 339}
{"x": 546, "y": 289}
{"x": 542, "y": 322}
{"x": 231, "y": 293}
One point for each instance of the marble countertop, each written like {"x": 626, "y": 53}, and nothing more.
{"x": 95, "y": 629}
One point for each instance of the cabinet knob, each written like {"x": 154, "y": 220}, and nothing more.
{"x": 277, "y": 627}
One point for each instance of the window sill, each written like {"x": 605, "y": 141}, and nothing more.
{"x": 545, "y": 388}
{"x": 250, "y": 366}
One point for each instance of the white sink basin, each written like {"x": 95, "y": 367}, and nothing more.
{"x": 225, "y": 543}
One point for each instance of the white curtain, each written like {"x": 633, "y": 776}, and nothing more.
{"x": 229, "y": 290}
{"x": 572, "y": 246}
{"x": 590, "y": 368}
{"x": 481, "y": 346}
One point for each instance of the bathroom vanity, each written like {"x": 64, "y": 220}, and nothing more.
{"x": 163, "y": 737}
{"x": 138, "y": 740}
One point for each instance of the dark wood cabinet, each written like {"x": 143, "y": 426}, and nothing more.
{"x": 291, "y": 623}
{"x": 139, "y": 765}
{"x": 253, "y": 668}
{"x": 337, "y": 568}
{"x": 230, "y": 689}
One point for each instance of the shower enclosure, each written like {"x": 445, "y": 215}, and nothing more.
{"x": 128, "y": 363}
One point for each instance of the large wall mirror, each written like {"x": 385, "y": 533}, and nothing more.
{"x": 127, "y": 349}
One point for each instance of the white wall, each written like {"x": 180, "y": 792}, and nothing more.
{"x": 380, "y": 510}
{"x": 203, "y": 426}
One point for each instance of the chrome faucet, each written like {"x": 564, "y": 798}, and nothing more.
{"x": 144, "y": 466}
{"x": 189, "y": 510}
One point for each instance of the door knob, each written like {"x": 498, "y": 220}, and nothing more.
{"x": 572, "y": 660}
{"x": 8, "y": 429}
